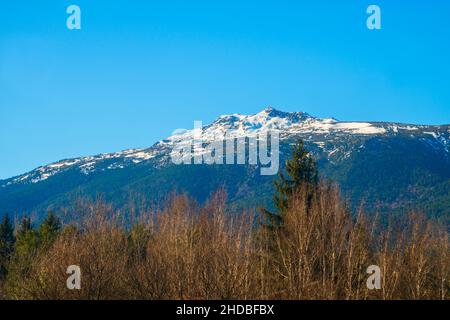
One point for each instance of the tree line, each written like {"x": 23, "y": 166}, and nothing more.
{"x": 310, "y": 246}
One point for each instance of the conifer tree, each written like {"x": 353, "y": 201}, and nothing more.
{"x": 24, "y": 227}
{"x": 49, "y": 229}
{"x": 27, "y": 238}
{"x": 301, "y": 170}
{"x": 6, "y": 244}
{"x": 25, "y": 250}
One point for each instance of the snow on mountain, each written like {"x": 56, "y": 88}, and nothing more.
{"x": 309, "y": 128}
{"x": 287, "y": 123}
{"x": 86, "y": 165}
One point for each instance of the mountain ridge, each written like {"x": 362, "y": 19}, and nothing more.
{"x": 141, "y": 154}
{"x": 336, "y": 144}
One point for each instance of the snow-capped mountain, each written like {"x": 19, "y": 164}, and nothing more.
{"x": 336, "y": 144}
{"x": 318, "y": 131}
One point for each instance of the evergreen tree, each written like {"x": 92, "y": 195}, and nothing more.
{"x": 49, "y": 229}
{"x": 24, "y": 227}
{"x": 25, "y": 251}
{"x": 27, "y": 239}
{"x": 301, "y": 170}
{"x": 6, "y": 244}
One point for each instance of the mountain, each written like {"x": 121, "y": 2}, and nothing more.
{"x": 389, "y": 166}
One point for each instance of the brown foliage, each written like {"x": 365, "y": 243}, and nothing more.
{"x": 185, "y": 251}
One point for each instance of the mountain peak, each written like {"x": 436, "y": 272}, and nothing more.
{"x": 267, "y": 113}
{"x": 268, "y": 110}
{"x": 271, "y": 112}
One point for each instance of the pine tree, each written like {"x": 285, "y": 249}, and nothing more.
{"x": 301, "y": 170}
{"x": 27, "y": 239}
{"x": 7, "y": 240}
{"x": 49, "y": 229}
{"x": 25, "y": 250}
{"x": 24, "y": 227}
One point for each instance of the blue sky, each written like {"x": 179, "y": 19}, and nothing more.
{"x": 140, "y": 69}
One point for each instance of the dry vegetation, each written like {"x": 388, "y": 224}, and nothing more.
{"x": 185, "y": 251}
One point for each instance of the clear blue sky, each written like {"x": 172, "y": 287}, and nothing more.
{"x": 140, "y": 69}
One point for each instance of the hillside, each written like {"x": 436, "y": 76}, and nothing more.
{"x": 389, "y": 166}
